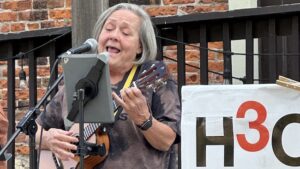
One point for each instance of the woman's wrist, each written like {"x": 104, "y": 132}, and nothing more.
{"x": 146, "y": 124}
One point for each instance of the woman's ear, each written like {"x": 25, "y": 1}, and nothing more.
{"x": 139, "y": 53}
{"x": 140, "y": 49}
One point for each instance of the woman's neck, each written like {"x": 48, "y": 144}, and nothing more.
{"x": 117, "y": 74}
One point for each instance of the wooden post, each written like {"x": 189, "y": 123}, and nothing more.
{"x": 84, "y": 16}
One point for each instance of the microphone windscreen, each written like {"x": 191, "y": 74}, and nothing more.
{"x": 93, "y": 43}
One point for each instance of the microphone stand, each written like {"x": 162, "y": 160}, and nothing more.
{"x": 82, "y": 147}
{"x": 28, "y": 126}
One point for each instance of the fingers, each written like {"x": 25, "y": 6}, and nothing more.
{"x": 131, "y": 94}
{"x": 66, "y": 136}
{"x": 118, "y": 99}
{"x": 63, "y": 154}
{"x": 128, "y": 97}
{"x": 61, "y": 142}
{"x": 133, "y": 102}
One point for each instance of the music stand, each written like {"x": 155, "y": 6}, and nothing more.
{"x": 88, "y": 92}
{"x": 76, "y": 67}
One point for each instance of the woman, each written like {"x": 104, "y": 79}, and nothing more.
{"x": 145, "y": 131}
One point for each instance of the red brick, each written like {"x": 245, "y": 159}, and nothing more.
{"x": 21, "y": 138}
{"x": 68, "y": 3}
{"x": 33, "y": 15}
{"x": 39, "y": 81}
{"x": 192, "y": 55}
{"x": 55, "y": 4}
{"x": 24, "y": 15}
{"x": 162, "y": 10}
{"x": 60, "y": 14}
{"x": 39, "y": 4}
{"x": 192, "y": 78}
{"x": 216, "y": 53}
{"x": 4, "y": 94}
{"x": 17, "y": 5}
{"x": 4, "y": 72}
{"x": 38, "y": 15}
{"x": 63, "y": 23}
{"x": 172, "y": 67}
{"x": 171, "y": 54}
{"x": 8, "y": 16}
{"x": 212, "y": 1}
{"x": 196, "y": 9}
{"x": 43, "y": 71}
{"x": 3, "y": 83}
{"x": 17, "y": 27}
{"x": 24, "y": 149}
{"x": 33, "y": 26}
{"x": 47, "y": 24}
{"x": 22, "y": 94}
{"x": 43, "y": 82}
{"x": 215, "y": 78}
{"x": 4, "y": 28}
{"x": 216, "y": 66}
{"x": 212, "y": 55}
{"x": 40, "y": 93}
{"x": 168, "y": 2}
{"x": 220, "y": 7}
{"x": 192, "y": 66}
{"x": 219, "y": 56}
{"x": 20, "y": 114}
{"x": 3, "y": 103}
{"x": 207, "y": 1}
{"x": 215, "y": 45}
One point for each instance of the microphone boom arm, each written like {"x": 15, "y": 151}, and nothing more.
{"x": 28, "y": 126}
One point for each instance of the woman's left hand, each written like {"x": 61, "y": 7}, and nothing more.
{"x": 160, "y": 136}
{"x": 134, "y": 103}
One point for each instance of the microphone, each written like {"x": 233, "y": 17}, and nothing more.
{"x": 89, "y": 45}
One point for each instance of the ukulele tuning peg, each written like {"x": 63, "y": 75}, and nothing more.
{"x": 162, "y": 82}
{"x": 150, "y": 87}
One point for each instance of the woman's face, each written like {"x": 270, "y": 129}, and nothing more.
{"x": 120, "y": 38}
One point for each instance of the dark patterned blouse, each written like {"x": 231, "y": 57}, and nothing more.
{"x": 128, "y": 147}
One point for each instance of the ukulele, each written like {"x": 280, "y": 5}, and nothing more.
{"x": 151, "y": 79}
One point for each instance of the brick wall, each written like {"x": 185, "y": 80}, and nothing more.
{"x": 184, "y": 7}
{"x": 26, "y": 15}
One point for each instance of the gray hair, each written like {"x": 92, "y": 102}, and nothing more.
{"x": 147, "y": 35}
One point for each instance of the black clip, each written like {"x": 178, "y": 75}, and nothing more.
{"x": 95, "y": 149}
{"x": 91, "y": 149}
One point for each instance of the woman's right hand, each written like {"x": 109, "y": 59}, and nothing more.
{"x": 61, "y": 143}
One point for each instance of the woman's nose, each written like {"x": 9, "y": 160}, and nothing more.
{"x": 114, "y": 35}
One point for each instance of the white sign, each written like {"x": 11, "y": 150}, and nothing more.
{"x": 240, "y": 127}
